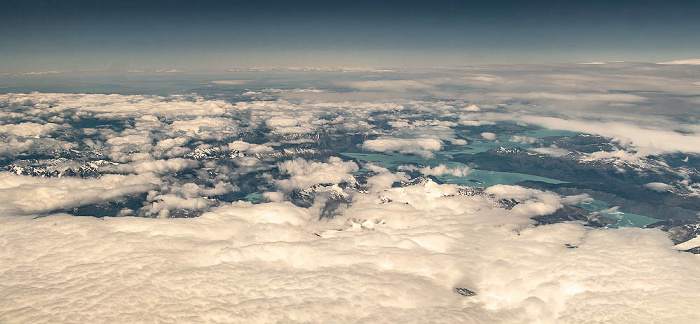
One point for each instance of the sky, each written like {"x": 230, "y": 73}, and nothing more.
{"x": 211, "y": 35}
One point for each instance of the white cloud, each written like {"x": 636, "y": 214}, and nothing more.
{"x": 645, "y": 140}
{"x": 25, "y": 194}
{"x": 685, "y": 62}
{"x": 114, "y": 105}
{"x": 523, "y": 139}
{"x": 169, "y": 143}
{"x": 401, "y": 267}
{"x": 388, "y": 85}
{"x": 230, "y": 82}
{"x": 614, "y": 97}
{"x": 469, "y": 121}
{"x": 205, "y": 127}
{"x": 269, "y": 213}
{"x": 29, "y": 129}
{"x": 489, "y": 136}
{"x": 420, "y": 146}
{"x": 472, "y": 108}
{"x": 552, "y": 150}
{"x": 658, "y": 186}
{"x": 248, "y": 147}
{"x": 384, "y": 178}
{"x": 512, "y": 192}
{"x": 156, "y": 166}
{"x": 441, "y": 169}
{"x": 304, "y": 174}
{"x": 43, "y": 72}
{"x": 13, "y": 146}
{"x": 163, "y": 204}
{"x": 169, "y": 71}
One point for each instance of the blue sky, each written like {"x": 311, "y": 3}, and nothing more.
{"x": 211, "y": 35}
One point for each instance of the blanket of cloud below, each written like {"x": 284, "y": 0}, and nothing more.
{"x": 394, "y": 262}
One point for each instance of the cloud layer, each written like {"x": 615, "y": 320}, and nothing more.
{"x": 264, "y": 207}
{"x": 377, "y": 262}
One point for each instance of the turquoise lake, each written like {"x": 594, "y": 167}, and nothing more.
{"x": 486, "y": 178}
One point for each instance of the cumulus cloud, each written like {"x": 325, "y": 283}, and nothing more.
{"x": 472, "y": 108}
{"x": 645, "y": 140}
{"x": 25, "y": 194}
{"x": 420, "y": 146}
{"x": 383, "y": 178}
{"x": 205, "y": 127}
{"x": 230, "y": 82}
{"x": 536, "y": 202}
{"x": 304, "y": 174}
{"x": 29, "y": 129}
{"x": 441, "y": 169}
{"x": 115, "y": 105}
{"x": 156, "y": 166}
{"x": 169, "y": 143}
{"x": 400, "y": 263}
{"x": 163, "y": 204}
{"x": 658, "y": 186}
{"x": 617, "y": 97}
{"x": 685, "y": 62}
{"x": 489, "y": 136}
{"x": 13, "y": 146}
{"x": 523, "y": 139}
{"x": 551, "y": 150}
{"x": 389, "y": 85}
{"x": 470, "y": 121}
{"x": 248, "y": 147}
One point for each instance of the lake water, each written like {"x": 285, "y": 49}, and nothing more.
{"x": 477, "y": 178}
{"x": 623, "y": 219}
{"x": 486, "y": 178}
